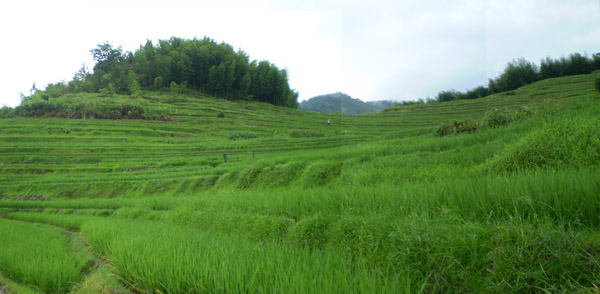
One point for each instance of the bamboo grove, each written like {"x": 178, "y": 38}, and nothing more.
{"x": 177, "y": 65}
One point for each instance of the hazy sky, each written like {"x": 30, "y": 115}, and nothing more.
{"x": 373, "y": 50}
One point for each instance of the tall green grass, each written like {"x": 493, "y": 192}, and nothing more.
{"x": 156, "y": 258}
{"x": 67, "y": 222}
{"x": 562, "y": 142}
{"x": 363, "y": 207}
{"x": 39, "y": 256}
{"x": 10, "y": 286}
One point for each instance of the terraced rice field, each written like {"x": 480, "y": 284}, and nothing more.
{"x": 272, "y": 200}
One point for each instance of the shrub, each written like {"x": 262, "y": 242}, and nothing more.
{"x": 6, "y": 112}
{"x": 158, "y": 83}
{"x": 133, "y": 85}
{"x": 598, "y": 85}
{"x": 496, "y": 118}
{"x": 221, "y": 114}
{"x": 175, "y": 88}
{"x": 39, "y": 108}
{"x": 524, "y": 112}
{"x": 454, "y": 127}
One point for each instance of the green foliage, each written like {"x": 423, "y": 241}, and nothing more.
{"x": 7, "y": 112}
{"x": 133, "y": 84}
{"x": 174, "y": 88}
{"x": 493, "y": 119}
{"x": 516, "y": 74}
{"x": 387, "y": 207}
{"x": 446, "y": 96}
{"x": 39, "y": 256}
{"x": 337, "y": 102}
{"x": 560, "y": 143}
{"x": 524, "y": 112}
{"x": 158, "y": 83}
{"x": 109, "y": 91}
{"x": 497, "y": 118}
{"x": 455, "y": 127}
{"x": 86, "y": 109}
{"x": 202, "y": 64}
{"x": 56, "y": 90}
{"x": 522, "y": 72}
{"x": 597, "y": 84}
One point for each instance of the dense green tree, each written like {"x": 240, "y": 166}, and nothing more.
{"x": 81, "y": 81}
{"x": 245, "y": 85}
{"x": 109, "y": 65}
{"x": 158, "y": 83}
{"x": 133, "y": 84}
{"x": 201, "y": 64}
{"x": 516, "y": 74}
{"x": 175, "y": 88}
{"x": 522, "y": 72}
{"x": 229, "y": 79}
{"x": 336, "y": 102}
{"x": 596, "y": 61}
{"x": 216, "y": 79}
{"x": 445, "y": 96}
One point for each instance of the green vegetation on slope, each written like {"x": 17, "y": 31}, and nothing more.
{"x": 176, "y": 65}
{"x": 336, "y": 102}
{"x": 519, "y": 73}
{"x": 372, "y": 203}
{"x": 39, "y": 256}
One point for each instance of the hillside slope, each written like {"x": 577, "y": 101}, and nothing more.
{"x": 336, "y": 102}
{"x": 39, "y": 151}
{"x": 247, "y": 197}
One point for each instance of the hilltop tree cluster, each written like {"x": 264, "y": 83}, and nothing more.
{"x": 521, "y": 72}
{"x": 178, "y": 64}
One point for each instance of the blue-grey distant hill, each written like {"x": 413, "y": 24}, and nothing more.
{"x": 340, "y": 102}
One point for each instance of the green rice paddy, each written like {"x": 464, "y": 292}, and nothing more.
{"x": 273, "y": 200}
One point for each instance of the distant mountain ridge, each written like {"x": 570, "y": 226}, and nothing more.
{"x": 342, "y": 103}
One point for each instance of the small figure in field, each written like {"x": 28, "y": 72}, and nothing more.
{"x": 329, "y": 122}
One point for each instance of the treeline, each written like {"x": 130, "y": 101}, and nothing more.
{"x": 176, "y": 65}
{"x": 336, "y": 102}
{"x": 522, "y": 72}
{"x": 519, "y": 73}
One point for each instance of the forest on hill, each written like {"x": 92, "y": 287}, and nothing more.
{"x": 521, "y": 72}
{"x": 179, "y": 64}
{"x": 342, "y": 103}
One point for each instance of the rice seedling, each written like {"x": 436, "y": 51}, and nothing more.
{"x": 371, "y": 203}
{"x": 39, "y": 256}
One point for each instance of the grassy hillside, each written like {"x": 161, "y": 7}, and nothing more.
{"x": 248, "y": 197}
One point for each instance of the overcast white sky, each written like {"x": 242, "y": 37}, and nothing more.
{"x": 373, "y": 50}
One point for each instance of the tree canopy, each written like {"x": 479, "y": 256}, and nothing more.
{"x": 521, "y": 72}
{"x": 178, "y": 64}
{"x": 336, "y": 102}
